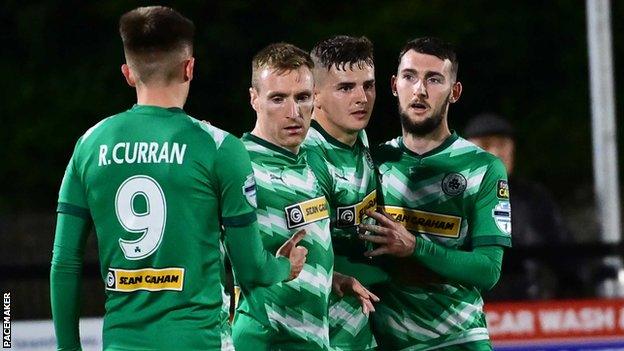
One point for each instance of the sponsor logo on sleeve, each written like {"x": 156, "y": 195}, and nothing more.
{"x": 502, "y": 216}
{"x": 249, "y": 190}
{"x": 149, "y": 279}
{"x": 426, "y": 222}
{"x": 348, "y": 216}
{"x": 454, "y": 184}
{"x": 502, "y": 189}
{"x": 306, "y": 212}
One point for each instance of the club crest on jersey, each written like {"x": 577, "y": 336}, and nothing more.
{"x": 502, "y": 189}
{"x": 502, "y": 216}
{"x": 454, "y": 184}
{"x": 306, "y": 212}
{"x": 249, "y": 190}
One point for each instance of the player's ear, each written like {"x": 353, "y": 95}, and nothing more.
{"x": 455, "y": 92}
{"x": 127, "y": 73}
{"x": 253, "y": 98}
{"x": 393, "y": 85}
{"x": 188, "y": 69}
{"x": 318, "y": 99}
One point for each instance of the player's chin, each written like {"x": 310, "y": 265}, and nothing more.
{"x": 418, "y": 117}
{"x": 293, "y": 141}
{"x": 357, "y": 123}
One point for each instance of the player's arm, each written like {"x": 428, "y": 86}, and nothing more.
{"x": 480, "y": 267}
{"x": 72, "y": 228}
{"x": 252, "y": 264}
{"x": 490, "y": 228}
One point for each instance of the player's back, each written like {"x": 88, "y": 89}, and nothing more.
{"x": 148, "y": 175}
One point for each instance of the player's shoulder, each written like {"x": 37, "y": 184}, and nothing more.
{"x": 473, "y": 152}
{"x": 315, "y": 138}
{"x": 97, "y": 129}
{"x": 388, "y": 151}
{"x": 315, "y": 144}
{"x": 217, "y": 135}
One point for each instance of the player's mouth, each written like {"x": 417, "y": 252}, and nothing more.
{"x": 294, "y": 129}
{"x": 361, "y": 113}
{"x": 418, "y": 107}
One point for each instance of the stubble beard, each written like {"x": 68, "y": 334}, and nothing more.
{"x": 426, "y": 127}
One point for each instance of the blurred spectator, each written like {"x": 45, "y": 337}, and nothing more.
{"x": 536, "y": 219}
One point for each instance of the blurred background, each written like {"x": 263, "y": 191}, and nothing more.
{"x": 525, "y": 61}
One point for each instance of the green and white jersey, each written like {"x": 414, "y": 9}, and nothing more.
{"x": 153, "y": 182}
{"x": 289, "y": 199}
{"x": 456, "y": 196}
{"x": 347, "y": 177}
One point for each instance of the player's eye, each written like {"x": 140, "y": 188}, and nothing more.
{"x": 344, "y": 88}
{"x": 277, "y": 99}
{"x": 369, "y": 85}
{"x": 408, "y": 76}
{"x": 435, "y": 80}
{"x": 303, "y": 97}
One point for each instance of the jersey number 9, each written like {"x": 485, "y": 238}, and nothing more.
{"x": 151, "y": 223}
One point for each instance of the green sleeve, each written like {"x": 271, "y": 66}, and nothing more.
{"x": 480, "y": 267}
{"x": 65, "y": 278}
{"x": 72, "y": 229}
{"x": 317, "y": 162}
{"x": 72, "y": 194}
{"x": 252, "y": 264}
{"x": 236, "y": 184}
{"x": 490, "y": 221}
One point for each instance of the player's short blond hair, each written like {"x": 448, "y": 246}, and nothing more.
{"x": 281, "y": 57}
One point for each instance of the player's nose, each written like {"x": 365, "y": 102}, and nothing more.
{"x": 294, "y": 111}
{"x": 419, "y": 88}
{"x": 360, "y": 96}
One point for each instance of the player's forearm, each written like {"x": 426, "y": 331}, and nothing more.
{"x": 252, "y": 264}
{"x": 480, "y": 268}
{"x": 65, "y": 279}
{"x": 64, "y": 297}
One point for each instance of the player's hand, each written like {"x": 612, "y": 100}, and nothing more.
{"x": 296, "y": 254}
{"x": 393, "y": 238}
{"x": 344, "y": 284}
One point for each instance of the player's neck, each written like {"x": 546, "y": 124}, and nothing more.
{"x": 421, "y": 144}
{"x": 332, "y": 129}
{"x": 162, "y": 96}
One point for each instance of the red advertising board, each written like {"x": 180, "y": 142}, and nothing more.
{"x": 555, "y": 321}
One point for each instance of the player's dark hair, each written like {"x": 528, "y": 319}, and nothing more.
{"x": 342, "y": 51}
{"x": 154, "y": 36}
{"x": 281, "y": 57}
{"x": 435, "y": 47}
